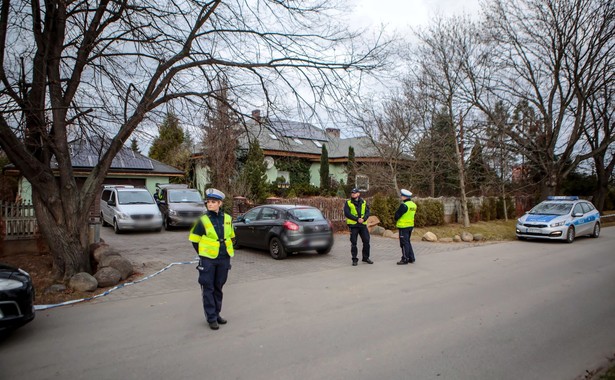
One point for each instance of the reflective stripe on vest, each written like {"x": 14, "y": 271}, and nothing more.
{"x": 209, "y": 244}
{"x": 353, "y": 211}
{"x": 407, "y": 220}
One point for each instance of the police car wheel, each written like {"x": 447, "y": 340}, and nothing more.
{"x": 570, "y": 235}
{"x": 596, "y": 230}
{"x": 276, "y": 249}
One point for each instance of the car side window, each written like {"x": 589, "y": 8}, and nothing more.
{"x": 587, "y": 207}
{"x": 252, "y": 214}
{"x": 269, "y": 214}
{"x": 577, "y": 209}
{"x": 105, "y": 195}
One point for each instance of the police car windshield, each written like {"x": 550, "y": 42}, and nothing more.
{"x": 552, "y": 208}
{"x": 134, "y": 197}
{"x": 306, "y": 214}
{"x": 184, "y": 196}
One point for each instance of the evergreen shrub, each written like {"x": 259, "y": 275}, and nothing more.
{"x": 429, "y": 212}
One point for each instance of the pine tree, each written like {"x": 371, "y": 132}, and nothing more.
{"x": 134, "y": 145}
{"x": 170, "y": 138}
{"x": 325, "y": 183}
{"x": 255, "y": 172}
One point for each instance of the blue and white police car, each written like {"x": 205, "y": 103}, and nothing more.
{"x": 560, "y": 218}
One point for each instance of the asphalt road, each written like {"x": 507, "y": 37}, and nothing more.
{"x": 517, "y": 310}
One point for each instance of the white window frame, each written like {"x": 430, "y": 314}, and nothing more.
{"x": 362, "y": 182}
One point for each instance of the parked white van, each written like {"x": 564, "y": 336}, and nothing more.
{"x": 129, "y": 208}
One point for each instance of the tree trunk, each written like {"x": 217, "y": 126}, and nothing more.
{"x": 462, "y": 186}
{"x": 68, "y": 243}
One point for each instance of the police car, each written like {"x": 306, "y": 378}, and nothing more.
{"x": 560, "y": 218}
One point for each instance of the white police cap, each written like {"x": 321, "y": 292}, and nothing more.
{"x": 406, "y": 193}
{"x": 212, "y": 193}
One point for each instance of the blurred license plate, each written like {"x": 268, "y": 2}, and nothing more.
{"x": 318, "y": 243}
{"x": 533, "y": 230}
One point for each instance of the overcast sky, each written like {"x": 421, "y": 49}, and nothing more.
{"x": 401, "y": 14}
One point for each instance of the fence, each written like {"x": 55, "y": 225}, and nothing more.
{"x": 17, "y": 221}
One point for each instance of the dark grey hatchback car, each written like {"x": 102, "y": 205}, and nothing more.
{"x": 283, "y": 229}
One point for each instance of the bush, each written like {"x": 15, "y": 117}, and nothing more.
{"x": 429, "y": 212}
{"x": 384, "y": 208}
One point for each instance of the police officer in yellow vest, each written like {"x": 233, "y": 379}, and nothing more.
{"x": 211, "y": 237}
{"x": 404, "y": 221}
{"x": 356, "y": 211}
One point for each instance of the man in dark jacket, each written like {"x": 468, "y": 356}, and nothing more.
{"x": 356, "y": 211}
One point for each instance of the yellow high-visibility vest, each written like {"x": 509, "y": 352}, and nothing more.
{"x": 407, "y": 220}
{"x": 353, "y": 211}
{"x": 209, "y": 244}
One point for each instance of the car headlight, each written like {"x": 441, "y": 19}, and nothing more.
{"x": 557, "y": 224}
{"x": 172, "y": 212}
{"x": 6, "y": 284}
{"x": 519, "y": 221}
{"x": 121, "y": 215}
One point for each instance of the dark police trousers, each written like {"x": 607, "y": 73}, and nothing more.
{"x": 212, "y": 277}
{"x": 407, "y": 254}
{"x": 355, "y": 231}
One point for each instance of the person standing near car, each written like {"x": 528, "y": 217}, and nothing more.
{"x": 404, "y": 221}
{"x": 211, "y": 237}
{"x": 356, "y": 211}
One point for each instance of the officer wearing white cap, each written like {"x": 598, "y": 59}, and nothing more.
{"x": 404, "y": 221}
{"x": 356, "y": 211}
{"x": 211, "y": 237}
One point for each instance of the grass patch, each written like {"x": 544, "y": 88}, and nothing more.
{"x": 495, "y": 230}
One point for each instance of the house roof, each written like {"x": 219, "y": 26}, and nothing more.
{"x": 86, "y": 153}
{"x": 286, "y": 137}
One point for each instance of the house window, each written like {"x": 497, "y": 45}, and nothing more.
{"x": 362, "y": 182}
{"x": 297, "y": 141}
{"x": 274, "y": 137}
{"x": 284, "y": 174}
{"x": 317, "y": 143}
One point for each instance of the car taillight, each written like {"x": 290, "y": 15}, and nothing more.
{"x": 288, "y": 225}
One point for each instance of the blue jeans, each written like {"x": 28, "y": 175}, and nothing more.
{"x": 407, "y": 254}
{"x": 212, "y": 277}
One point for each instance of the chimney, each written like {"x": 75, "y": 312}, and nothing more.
{"x": 256, "y": 115}
{"x": 333, "y": 132}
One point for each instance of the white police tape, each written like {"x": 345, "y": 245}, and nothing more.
{"x": 107, "y": 292}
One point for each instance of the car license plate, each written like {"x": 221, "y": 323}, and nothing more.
{"x": 533, "y": 230}
{"x": 319, "y": 243}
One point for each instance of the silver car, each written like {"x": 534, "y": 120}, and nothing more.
{"x": 560, "y": 218}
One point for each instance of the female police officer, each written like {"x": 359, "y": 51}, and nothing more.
{"x": 211, "y": 237}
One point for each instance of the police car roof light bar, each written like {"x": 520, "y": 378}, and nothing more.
{"x": 563, "y": 198}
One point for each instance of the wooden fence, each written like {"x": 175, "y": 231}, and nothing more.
{"x": 17, "y": 221}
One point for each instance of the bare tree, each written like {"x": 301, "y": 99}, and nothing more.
{"x": 550, "y": 55}
{"x": 443, "y": 50}
{"x": 80, "y": 68}
{"x": 388, "y": 130}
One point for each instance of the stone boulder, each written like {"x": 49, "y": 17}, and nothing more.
{"x": 457, "y": 238}
{"x": 478, "y": 237}
{"x": 372, "y": 221}
{"x": 55, "y": 288}
{"x": 98, "y": 249}
{"x": 388, "y": 234}
{"x": 107, "y": 276}
{"x": 107, "y": 257}
{"x": 466, "y": 236}
{"x": 122, "y": 265}
{"x": 377, "y": 230}
{"x": 429, "y": 236}
{"x": 83, "y": 282}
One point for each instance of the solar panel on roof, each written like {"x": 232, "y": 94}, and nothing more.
{"x": 289, "y": 128}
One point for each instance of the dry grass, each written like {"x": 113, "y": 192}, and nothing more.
{"x": 496, "y": 230}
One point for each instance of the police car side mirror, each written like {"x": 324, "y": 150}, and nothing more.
{"x": 111, "y": 202}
